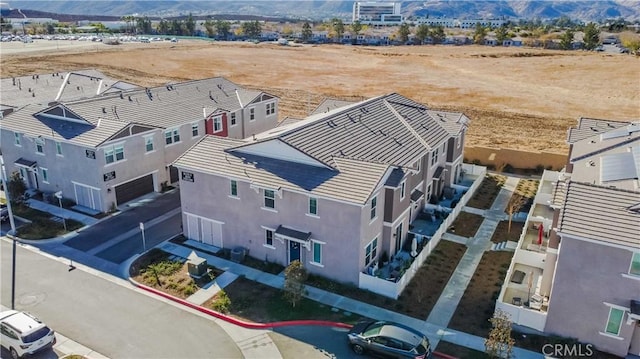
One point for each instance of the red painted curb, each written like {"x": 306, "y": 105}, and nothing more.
{"x": 242, "y": 323}
{"x": 443, "y": 355}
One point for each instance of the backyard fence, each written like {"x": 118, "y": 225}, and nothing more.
{"x": 394, "y": 289}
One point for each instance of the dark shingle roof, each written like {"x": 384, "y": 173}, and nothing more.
{"x": 601, "y": 213}
{"x": 354, "y": 182}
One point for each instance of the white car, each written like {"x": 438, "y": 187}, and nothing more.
{"x": 22, "y": 333}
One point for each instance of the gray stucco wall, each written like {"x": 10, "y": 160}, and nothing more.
{"x": 263, "y": 121}
{"x": 336, "y": 225}
{"x": 588, "y": 275}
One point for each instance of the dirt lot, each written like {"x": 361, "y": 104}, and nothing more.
{"x": 517, "y": 97}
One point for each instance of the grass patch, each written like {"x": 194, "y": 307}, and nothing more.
{"x": 502, "y": 233}
{"x": 156, "y": 270}
{"x": 459, "y": 351}
{"x": 42, "y": 226}
{"x": 466, "y": 224}
{"x": 479, "y": 299}
{"x": 242, "y": 293}
{"x": 527, "y": 187}
{"x": 487, "y": 192}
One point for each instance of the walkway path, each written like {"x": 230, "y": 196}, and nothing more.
{"x": 446, "y": 305}
{"x": 62, "y": 212}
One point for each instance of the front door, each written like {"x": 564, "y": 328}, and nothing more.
{"x": 634, "y": 348}
{"x": 294, "y": 251}
{"x": 398, "y": 236}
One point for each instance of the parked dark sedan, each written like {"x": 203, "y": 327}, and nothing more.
{"x": 389, "y": 339}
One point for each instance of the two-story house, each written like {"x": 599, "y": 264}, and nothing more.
{"x": 595, "y": 294}
{"x": 582, "y": 280}
{"x": 107, "y": 150}
{"x": 334, "y": 190}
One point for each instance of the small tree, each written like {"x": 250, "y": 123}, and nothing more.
{"x": 338, "y": 28}
{"x": 356, "y": 27}
{"x": 422, "y": 32}
{"x": 294, "y": 277}
{"x": 403, "y": 32}
{"x": 16, "y": 187}
{"x": 222, "y": 29}
{"x": 566, "y": 39}
{"x": 515, "y": 203}
{"x": 591, "y": 36}
{"x": 306, "y": 31}
{"x": 502, "y": 34}
{"x": 479, "y": 34}
{"x": 500, "y": 344}
{"x": 438, "y": 35}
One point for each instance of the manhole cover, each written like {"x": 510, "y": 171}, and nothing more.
{"x": 29, "y": 300}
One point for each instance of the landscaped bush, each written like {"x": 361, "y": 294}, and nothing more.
{"x": 222, "y": 302}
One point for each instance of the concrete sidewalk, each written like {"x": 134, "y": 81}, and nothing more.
{"x": 62, "y": 212}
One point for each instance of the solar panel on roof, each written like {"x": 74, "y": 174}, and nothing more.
{"x": 618, "y": 166}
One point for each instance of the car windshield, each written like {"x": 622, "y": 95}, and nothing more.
{"x": 38, "y": 334}
{"x": 372, "y": 329}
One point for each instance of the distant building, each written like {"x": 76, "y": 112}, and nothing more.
{"x": 377, "y": 13}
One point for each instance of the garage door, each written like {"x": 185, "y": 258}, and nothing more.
{"x": 134, "y": 189}
{"x": 88, "y": 197}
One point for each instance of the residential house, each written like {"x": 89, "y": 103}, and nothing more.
{"x": 334, "y": 190}
{"x": 583, "y": 271}
{"x": 107, "y": 150}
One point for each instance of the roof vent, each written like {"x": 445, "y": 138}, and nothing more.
{"x": 29, "y": 89}
{"x": 593, "y": 129}
{"x": 33, "y": 94}
{"x": 121, "y": 96}
{"x": 591, "y": 164}
{"x": 130, "y": 98}
{"x": 104, "y": 110}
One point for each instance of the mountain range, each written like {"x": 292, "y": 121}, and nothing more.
{"x": 319, "y": 10}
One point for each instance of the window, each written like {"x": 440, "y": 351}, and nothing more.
{"x": 45, "y": 175}
{"x": 252, "y": 114}
{"x": 268, "y": 237}
{"x": 271, "y": 108}
{"x": 370, "y": 251}
{"x": 269, "y": 198}
{"x": 194, "y": 129}
{"x": 217, "y": 124}
{"x": 634, "y": 269}
{"x": 403, "y": 186}
{"x": 39, "y": 145}
{"x": 418, "y": 165}
{"x": 114, "y": 154}
{"x": 458, "y": 142}
{"x": 317, "y": 252}
{"x": 148, "y": 143}
{"x": 615, "y": 321}
{"x": 428, "y": 194}
{"x": 374, "y": 202}
{"x": 234, "y": 188}
{"x": 23, "y": 173}
{"x": 313, "y": 206}
{"x": 172, "y": 135}
{"x": 58, "y": 148}
{"x": 233, "y": 119}
{"x": 17, "y": 139}
{"x": 434, "y": 157}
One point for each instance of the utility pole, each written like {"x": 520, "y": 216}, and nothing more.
{"x": 13, "y": 232}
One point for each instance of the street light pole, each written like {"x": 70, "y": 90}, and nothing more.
{"x": 144, "y": 243}
{"x": 59, "y": 197}
{"x": 13, "y": 232}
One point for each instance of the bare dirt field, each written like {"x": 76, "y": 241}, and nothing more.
{"x": 518, "y": 98}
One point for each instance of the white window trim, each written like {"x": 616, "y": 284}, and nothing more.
{"x": 171, "y": 130}
{"x": 42, "y": 142}
{"x": 269, "y": 209}
{"x": 254, "y": 114}
{"x": 403, "y": 192}
{"x": 115, "y": 160}
{"x": 17, "y": 139}
{"x": 631, "y": 265}
{"x": 197, "y": 127}
{"x": 264, "y": 199}
{"x": 312, "y": 262}
{"x": 218, "y": 118}
{"x": 630, "y": 276}
{"x": 152, "y": 143}
{"x": 231, "y": 189}
{"x": 58, "y": 143}
{"x": 315, "y": 215}
{"x": 418, "y": 165}
{"x": 458, "y": 142}
{"x": 273, "y": 237}
{"x": 231, "y": 124}
{"x": 370, "y": 208}
{"x": 42, "y": 171}
{"x": 365, "y": 251}
{"x": 611, "y": 307}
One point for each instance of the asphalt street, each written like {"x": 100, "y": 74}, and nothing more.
{"x": 109, "y": 317}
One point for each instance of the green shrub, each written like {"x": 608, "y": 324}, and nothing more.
{"x": 222, "y": 303}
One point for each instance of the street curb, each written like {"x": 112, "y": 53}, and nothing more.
{"x": 239, "y": 322}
